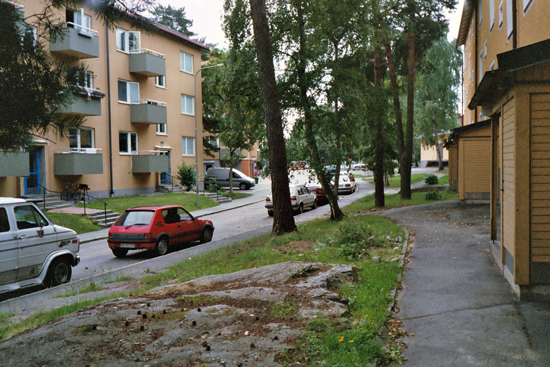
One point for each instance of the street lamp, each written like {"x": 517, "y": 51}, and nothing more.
{"x": 196, "y": 134}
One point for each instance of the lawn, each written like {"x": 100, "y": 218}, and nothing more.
{"x": 394, "y": 201}
{"x": 395, "y": 181}
{"x": 444, "y": 180}
{"x": 78, "y": 223}
{"x": 188, "y": 201}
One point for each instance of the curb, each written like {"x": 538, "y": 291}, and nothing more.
{"x": 400, "y": 275}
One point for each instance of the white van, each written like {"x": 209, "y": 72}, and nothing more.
{"x": 33, "y": 250}
{"x": 220, "y": 177}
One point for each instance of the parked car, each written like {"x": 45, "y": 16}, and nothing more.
{"x": 316, "y": 188}
{"x": 33, "y": 249}
{"x": 156, "y": 228}
{"x": 300, "y": 199}
{"x": 345, "y": 183}
{"x": 219, "y": 176}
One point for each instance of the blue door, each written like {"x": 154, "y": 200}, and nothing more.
{"x": 31, "y": 182}
{"x": 164, "y": 178}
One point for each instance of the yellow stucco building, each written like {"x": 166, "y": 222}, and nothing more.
{"x": 139, "y": 101}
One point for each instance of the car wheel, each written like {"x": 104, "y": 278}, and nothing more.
{"x": 162, "y": 246}
{"x": 120, "y": 252}
{"x": 242, "y": 186}
{"x": 314, "y": 206}
{"x": 59, "y": 272}
{"x": 270, "y": 213}
{"x": 301, "y": 209}
{"x": 206, "y": 235}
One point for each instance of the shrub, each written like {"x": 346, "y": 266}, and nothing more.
{"x": 186, "y": 174}
{"x": 433, "y": 195}
{"x": 355, "y": 238}
{"x": 431, "y": 180}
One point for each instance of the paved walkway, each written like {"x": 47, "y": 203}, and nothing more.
{"x": 455, "y": 303}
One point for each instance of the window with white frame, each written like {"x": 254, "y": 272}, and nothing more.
{"x": 30, "y": 35}
{"x": 491, "y": 14}
{"x": 128, "y": 92}
{"x": 81, "y": 138}
{"x": 469, "y": 67}
{"x": 485, "y": 50}
{"x": 213, "y": 141}
{"x": 127, "y": 142}
{"x": 480, "y": 65}
{"x": 86, "y": 80}
{"x": 187, "y": 105}
{"x": 186, "y": 62}
{"x": 187, "y": 146}
{"x": 492, "y": 67}
{"x": 161, "y": 129}
{"x": 509, "y": 19}
{"x": 527, "y": 4}
{"x": 160, "y": 81}
{"x": 500, "y": 15}
{"x": 480, "y": 12}
{"x": 127, "y": 41}
{"x": 80, "y": 21}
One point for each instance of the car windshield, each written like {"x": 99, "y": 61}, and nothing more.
{"x": 135, "y": 218}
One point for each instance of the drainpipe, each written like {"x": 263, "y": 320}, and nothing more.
{"x": 476, "y": 58}
{"x": 514, "y": 24}
{"x": 111, "y": 190}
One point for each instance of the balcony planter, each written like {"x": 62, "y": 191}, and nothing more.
{"x": 149, "y": 112}
{"x": 14, "y": 164}
{"x": 149, "y": 163}
{"x": 76, "y": 43}
{"x": 74, "y": 164}
{"x": 147, "y": 63}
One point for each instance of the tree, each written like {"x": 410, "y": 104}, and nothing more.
{"x": 34, "y": 86}
{"x": 173, "y": 18}
{"x": 437, "y": 93}
{"x": 283, "y": 221}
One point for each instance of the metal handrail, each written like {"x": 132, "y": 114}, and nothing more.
{"x": 96, "y": 199}
{"x": 78, "y": 150}
{"x": 80, "y": 27}
{"x": 171, "y": 179}
{"x": 146, "y": 51}
{"x": 151, "y": 102}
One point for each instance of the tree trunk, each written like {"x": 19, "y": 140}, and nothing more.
{"x": 379, "y": 199}
{"x": 406, "y": 169}
{"x": 283, "y": 220}
{"x": 437, "y": 146}
{"x": 336, "y": 213}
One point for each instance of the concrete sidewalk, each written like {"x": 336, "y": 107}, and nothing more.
{"x": 455, "y": 303}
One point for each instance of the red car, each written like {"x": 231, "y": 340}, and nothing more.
{"x": 156, "y": 228}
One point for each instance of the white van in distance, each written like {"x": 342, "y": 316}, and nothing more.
{"x": 33, "y": 250}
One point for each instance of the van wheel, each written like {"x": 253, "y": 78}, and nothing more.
{"x": 59, "y": 272}
{"x": 242, "y": 186}
{"x": 162, "y": 246}
{"x": 120, "y": 252}
{"x": 206, "y": 235}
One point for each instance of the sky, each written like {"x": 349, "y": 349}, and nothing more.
{"x": 207, "y": 18}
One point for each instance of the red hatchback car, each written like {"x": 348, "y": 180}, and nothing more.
{"x": 156, "y": 228}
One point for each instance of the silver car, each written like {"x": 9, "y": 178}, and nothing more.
{"x": 300, "y": 199}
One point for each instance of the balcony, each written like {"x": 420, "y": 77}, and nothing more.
{"x": 75, "y": 162}
{"x": 14, "y": 164}
{"x": 86, "y": 101}
{"x": 147, "y": 62}
{"x": 77, "y": 41}
{"x": 148, "y": 161}
{"x": 148, "y": 112}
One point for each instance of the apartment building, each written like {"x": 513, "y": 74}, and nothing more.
{"x": 507, "y": 81}
{"x": 140, "y": 106}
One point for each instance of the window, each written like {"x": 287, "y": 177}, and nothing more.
{"x": 527, "y": 4}
{"x": 491, "y": 14}
{"x": 86, "y": 79}
{"x": 127, "y": 41}
{"x": 28, "y": 217}
{"x": 161, "y": 129}
{"x": 485, "y": 50}
{"x": 81, "y": 138}
{"x": 480, "y": 65}
{"x": 128, "y": 92}
{"x": 80, "y": 21}
{"x": 127, "y": 142}
{"x": 29, "y": 35}
{"x": 480, "y": 12}
{"x": 160, "y": 81}
{"x": 188, "y": 146}
{"x": 500, "y": 15}
{"x": 213, "y": 141}
{"x": 186, "y": 62}
{"x": 509, "y": 19}
{"x": 187, "y": 105}
{"x": 4, "y": 221}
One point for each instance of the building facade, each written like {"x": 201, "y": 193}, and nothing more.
{"x": 140, "y": 106}
{"x": 507, "y": 80}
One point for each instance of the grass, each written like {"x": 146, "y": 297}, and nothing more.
{"x": 394, "y": 201}
{"x": 92, "y": 287}
{"x": 395, "y": 181}
{"x": 188, "y": 201}
{"x": 236, "y": 195}
{"x": 444, "y": 180}
{"x": 78, "y": 223}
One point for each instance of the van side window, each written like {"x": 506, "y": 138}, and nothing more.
{"x": 4, "y": 222}
{"x": 235, "y": 175}
{"x": 28, "y": 217}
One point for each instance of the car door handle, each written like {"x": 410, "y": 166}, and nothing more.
{"x": 22, "y": 236}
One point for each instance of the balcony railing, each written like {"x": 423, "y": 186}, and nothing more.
{"x": 86, "y": 101}
{"x": 149, "y": 161}
{"x": 76, "y": 41}
{"x": 78, "y": 161}
{"x": 149, "y": 112}
{"x": 147, "y": 62}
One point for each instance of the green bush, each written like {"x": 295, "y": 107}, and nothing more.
{"x": 433, "y": 195}
{"x": 186, "y": 174}
{"x": 431, "y": 180}
{"x": 355, "y": 238}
